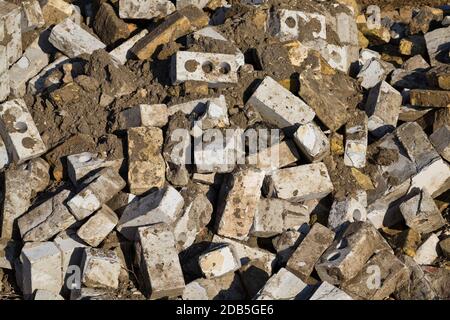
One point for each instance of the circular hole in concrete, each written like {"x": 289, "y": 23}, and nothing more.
{"x": 290, "y": 22}
{"x": 21, "y": 126}
{"x": 191, "y": 65}
{"x": 207, "y": 67}
{"x": 357, "y": 215}
{"x": 85, "y": 158}
{"x": 333, "y": 256}
{"x": 224, "y": 68}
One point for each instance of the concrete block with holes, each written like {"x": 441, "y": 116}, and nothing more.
{"x": 345, "y": 258}
{"x": 80, "y": 165}
{"x": 19, "y": 131}
{"x": 214, "y": 68}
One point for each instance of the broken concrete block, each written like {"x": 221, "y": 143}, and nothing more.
{"x": 303, "y": 259}
{"x": 72, "y": 40}
{"x": 108, "y": 26}
{"x": 416, "y": 144}
{"x": 46, "y": 295}
{"x": 214, "y": 68}
{"x": 421, "y": 213}
{"x": 196, "y": 215}
{"x": 214, "y": 152}
{"x": 438, "y": 43}
{"x": 46, "y": 79}
{"x": 174, "y": 26}
{"x": 122, "y": 52}
{"x": 147, "y": 9}
{"x": 338, "y": 92}
{"x": 144, "y": 115}
{"x": 279, "y": 106}
{"x": 226, "y": 287}
{"x": 312, "y": 141}
{"x": 80, "y": 165}
{"x": 219, "y": 261}
{"x": 55, "y": 11}
{"x": 164, "y": 205}
{"x": 241, "y": 193}
{"x": 21, "y": 186}
{"x": 158, "y": 249}
{"x": 434, "y": 178}
{"x": 284, "y": 285}
{"x": 391, "y": 273}
{"x": 286, "y": 243}
{"x": 382, "y": 108}
{"x": 9, "y": 251}
{"x": 47, "y": 219}
{"x": 19, "y": 131}
{"x": 430, "y": 98}
{"x": 440, "y": 139}
{"x": 345, "y": 258}
{"x": 427, "y": 252}
{"x": 41, "y": 263}
{"x": 274, "y": 157}
{"x": 215, "y": 116}
{"x": 101, "y": 268}
{"x": 286, "y": 25}
{"x": 276, "y": 215}
{"x": 374, "y": 71}
{"x": 196, "y": 106}
{"x": 146, "y": 166}
{"x": 33, "y": 60}
{"x": 103, "y": 187}
{"x": 71, "y": 248}
{"x": 366, "y": 55}
{"x": 351, "y": 208}
{"x": 327, "y": 291}
{"x": 264, "y": 259}
{"x": 10, "y": 31}
{"x": 99, "y": 225}
{"x": 356, "y": 136}
{"x": 422, "y": 20}
{"x": 32, "y": 17}
{"x": 305, "y": 182}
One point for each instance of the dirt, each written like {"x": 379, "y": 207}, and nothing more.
{"x": 397, "y": 4}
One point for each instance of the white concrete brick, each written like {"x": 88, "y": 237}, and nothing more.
{"x": 284, "y": 285}
{"x": 327, "y": 291}
{"x": 38, "y": 83}
{"x": 41, "y": 268}
{"x": 356, "y": 137}
{"x": 101, "y": 268}
{"x": 214, "y": 68}
{"x": 279, "y": 106}
{"x": 32, "y": 17}
{"x": 427, "y": 252}
{"x": 145, "y": 9}
{"x": 215, "y": 116}
{"x": 71, "y": 248}
{"x": 99, "y": 225}
{"x": 10, "y": 30}
{"x": 438, "y": 42}
{"x": 219, "y": 261}
{"x": 144, "y": 115}
{"x": 274, "y": 157}
{"x": 33, "y": 60}
{"x": 47, "y": 219}
{"x": 46, "y": 295}
{"x": 197, "y": 106}
{"x": 72, "y": 40}
{"x": 383, "y": 107}
{"x": 241, "y": 195}
{"x": 287, "y": 24}
{"x": 105, "y": 186}
{"x": 163, "y": 205}
{"x": 374, "y": 71}
{"x": 122, "y": 53}
{"x": 312, "y": 141}
{"x": 81, "y": 164}
{"x": 305, "y": 182}
{"x": 160, "y": 265}
{"x": 19, "y": 131}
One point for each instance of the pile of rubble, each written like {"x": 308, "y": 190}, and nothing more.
{"x": 224, "y": 149}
